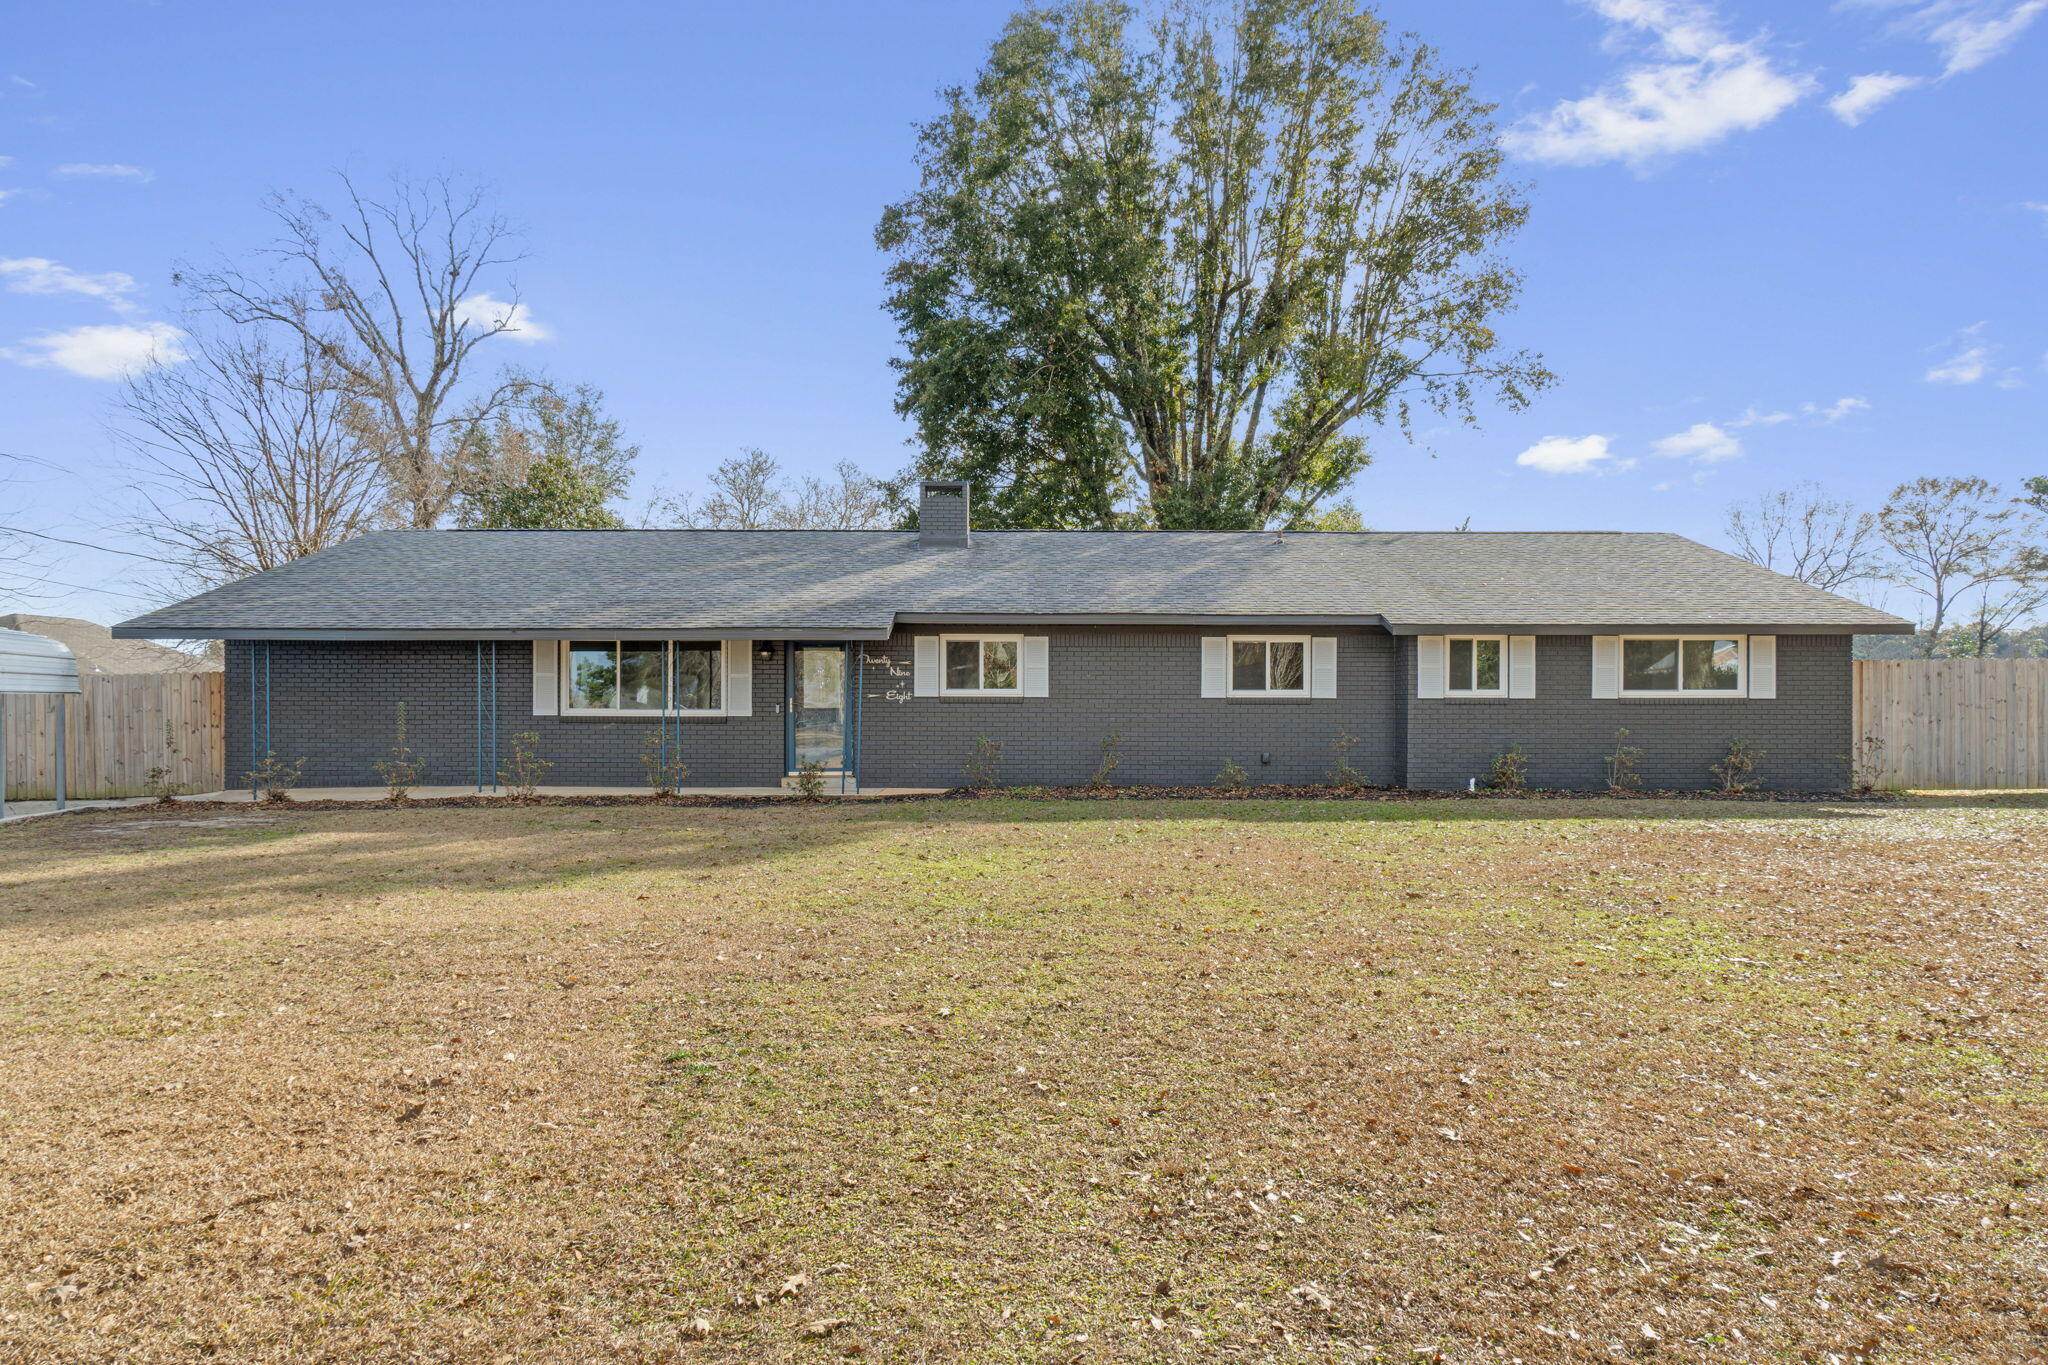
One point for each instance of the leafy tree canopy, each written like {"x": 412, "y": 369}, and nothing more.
{"x": 1176, "y": 263}
{"x": 551, "y": 459}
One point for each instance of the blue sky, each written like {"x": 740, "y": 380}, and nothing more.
{"x": 1771, "y": 242}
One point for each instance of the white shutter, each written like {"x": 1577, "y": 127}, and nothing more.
{"x": 547, "y": 677}
{"x": 1035, "y": 670}
{"x": 924, "y": 681}
{"x": 1763, "y": 666}
{"x": 1606, "y": 667}
{"x": 1430, "y": 666}
{"x": 1521, "y": 665}
{"x": 1322, "y": 666}
{"x": 1215, "y": 665}
{"x": 739, "y": 677}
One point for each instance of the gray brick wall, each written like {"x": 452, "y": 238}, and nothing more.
{"x": 1804, "y": 733}
{"x": 1144, "y": 682}
{"x": 333, "y": 704}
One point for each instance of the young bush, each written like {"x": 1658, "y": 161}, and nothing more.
{"x": 274, "y": 778}
{"x": 1622, "y": 774}
{"x": 984, "y": 764}
{"x": 525, "y": 769}
{"x": 1103, "y": 778}
{"x": 1737, "y": 771}
{"x": 663, "y": 765}
{"x": 158, "y": 782}
{"x": 810, "y": 780}
{"x": 402, "y": 771}
{"x": 1509, "y": 770}
{"x": 1866, "y": 765}
{"x": 1341, "y": 773}
{"x": 1232, "y": 775}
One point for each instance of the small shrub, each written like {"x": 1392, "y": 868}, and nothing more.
{"x": 984, "y": 764}
{"x": 663, "y": 765}
{"x": 524, "y": 770}
{"x": 1737, "y": 771}
{"x": 1509, "y": 770}
{"x": 1103, "y": 778}
{"x": 274, "y": 778}
{"x": 1622, "y": 774}
{"x": 1341, "y": 773}
{"x": 401, "y": 772}
{"x": 1866, "y": 765}
{"x": 158, "y": 783}
{"x": 810, "y": 780}
{"x": 1232, "y": 775}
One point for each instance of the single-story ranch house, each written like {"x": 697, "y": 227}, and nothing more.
{"x": 886, "y": 655}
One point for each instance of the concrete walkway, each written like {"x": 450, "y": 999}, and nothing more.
{"x": 29, "y": 810}
{"x": 429, "y": 793}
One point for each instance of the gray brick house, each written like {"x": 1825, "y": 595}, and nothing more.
{"x": 886, "y": 654}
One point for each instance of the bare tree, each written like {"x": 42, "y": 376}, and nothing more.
{"x": 247, "y": 455}
{"x": 749, "y": 493}
{"x": 850, "y": 501}
{"x": 746, "y": 495}
{"x": 395, "y": 294}
{"x": 21, "y": 567}
{"x": 1953, "y": 536}
{"x": 1803, "y": 532}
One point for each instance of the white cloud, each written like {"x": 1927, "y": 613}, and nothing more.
{"x": 1700, "y": 86}
{"x": 105, "y": 351}
{"x": 86, "y": 170}
{"x": 1968, "y": 33}
{"x": 481, "y": 310}
{"x": 1701, "y": 441}
{"x": 1966, "y": 366}
{"x": 1979, "y": 32}
{"x": 1572, "y": 455}
{"x": 1865, "y": 93}
{"x": 40, "y": 275}
{"x": 1814, "y": 412}
{"x": 2041, "y": 209}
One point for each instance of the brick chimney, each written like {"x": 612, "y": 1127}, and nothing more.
{"x": 941, "y": 513}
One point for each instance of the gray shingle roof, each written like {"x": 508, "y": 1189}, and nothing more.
{"x": 834, "y": 584}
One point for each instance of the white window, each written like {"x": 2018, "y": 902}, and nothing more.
{"x": 1681, "y": 666}
{"x": 1269, "y": 666}
{"x": 1477, "y": 666}
{"x": 626, "y": 677}
{"x": 981, "y": 666}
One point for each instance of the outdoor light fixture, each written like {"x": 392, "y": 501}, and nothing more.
{"x": 765, "y": 650}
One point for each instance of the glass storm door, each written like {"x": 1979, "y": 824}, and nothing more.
{"x": 817, "y": 706}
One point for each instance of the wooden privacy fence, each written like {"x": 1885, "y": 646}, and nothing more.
{"x": 1957, "y": 723}
{"x": 115, "y": 732}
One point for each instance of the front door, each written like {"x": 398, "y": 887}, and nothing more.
{"x": 817, "y": 706}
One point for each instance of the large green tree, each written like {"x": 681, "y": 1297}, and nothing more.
{"x": 1180, "y": 262}
{"x": 550, "y": 459}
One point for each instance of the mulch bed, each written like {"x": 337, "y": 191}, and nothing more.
{"x": 1282, "y": 792}
{"x": 1263, "y": 792}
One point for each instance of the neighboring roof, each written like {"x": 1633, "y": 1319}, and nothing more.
{"x": 35, "y": 663}
{"x": 859, "y": 584}
{"x": 98, "y": 651}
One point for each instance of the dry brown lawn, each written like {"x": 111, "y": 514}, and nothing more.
{"x": 1011, "y": 1081}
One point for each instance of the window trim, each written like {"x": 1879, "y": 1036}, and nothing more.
{"x": 1498, "y": 691}
{"x": 946, "y": 689}
{"x": 1230, "y": 687}
{"x": 1740, "y": 690}
{"x": 565, "y": 681}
